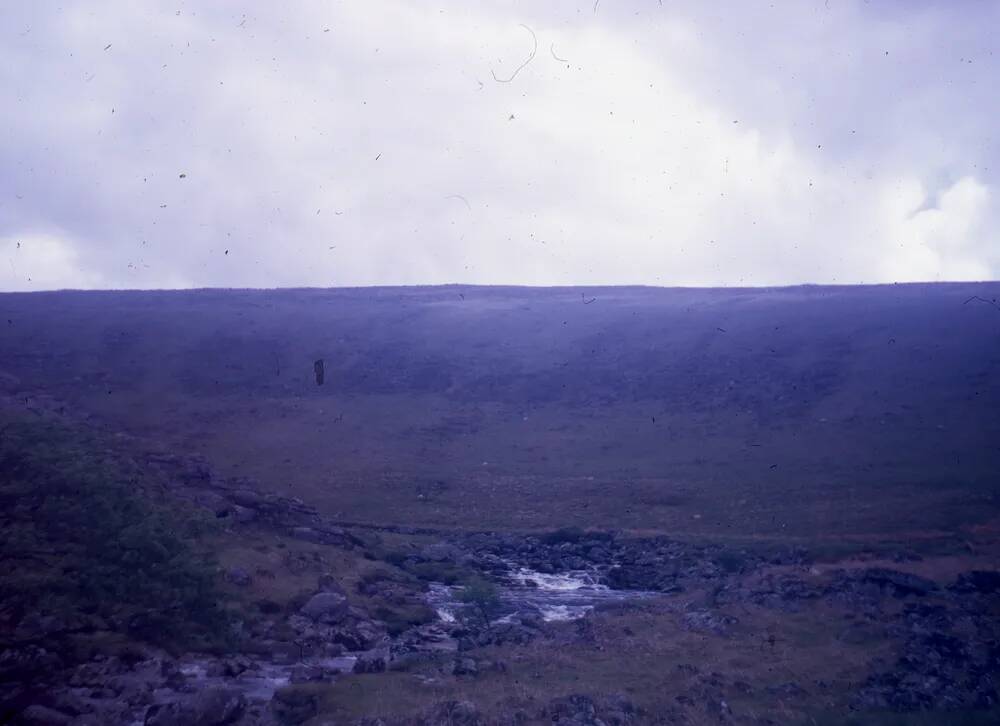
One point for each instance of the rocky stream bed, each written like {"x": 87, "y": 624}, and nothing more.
{"x": 948, "y": 633}
{"x": 950, "y": 656}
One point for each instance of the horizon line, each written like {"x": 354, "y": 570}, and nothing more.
{"x": 573, "y": 286}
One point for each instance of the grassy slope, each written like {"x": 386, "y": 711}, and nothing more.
{"x": 801, "y": 412}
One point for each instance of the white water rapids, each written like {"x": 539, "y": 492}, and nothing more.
{"x": 554, "y": 597}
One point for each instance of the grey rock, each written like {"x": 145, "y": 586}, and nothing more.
{"x": 209, "y": 706}
{"x": 573, "y": 709}
{"x": 980, "y": 581}
{"x": 292, "y": 706}
{"x": 325, "y": 535}
{"x": 30, "y": 660}
{"x": 37, "y": 715}
{"x": 328, "y": 583}
{"x": 374, "y": 661}
{"x": 464, "y": 667}
{"x": 899, "y": 584}
{"x": 218, "y": 706}
{"x": 453, "y": 713}
{"x": 326, "y": 607}
{"x": 40, "y": 626}
{"x": 441, "y": 552}
{"x": 708, "y": 621}
{"x": 243, "y": 515}
{"x": 306, "y": 674}
{"x": 248, "y": 498}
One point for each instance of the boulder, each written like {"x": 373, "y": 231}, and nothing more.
{"x": 328, "y": 583}
{"x": 349, "y": 639}
{"x": 464, "y": 667}
{"x": 575, "y": 709}
{"x": 324, "y": 535}
{"x": 306, "y": 674}
{"x": 326, "y": 607}
{"x": 17, "y": 664}
{"x": 243, "y": 515}
{"x": 230, "y": 667}
{"x": 659, "y": 578}
{"x": 96, "y": 672}
{"x": 37, "y": 715}
{"x": 248, "y": 498}
{"x": 981, "y": 581}
{"x": 209, "y": 706}
{"x": 710, "y": 622}
{"x": 453, "y": 713}
{"x": 292, "y": 705}
{"x": 35, "y": 627}
{"x": 218, "y": 706}
{"x": 899, "y": 584}
{"x": 441, "y": 552}
{"x": 215, "y": 503}
{"x": 374, "y": 661}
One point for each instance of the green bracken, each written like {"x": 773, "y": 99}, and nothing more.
{"x": 82, "y": 537}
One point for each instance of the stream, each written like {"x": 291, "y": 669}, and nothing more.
{"x": 556, "y": 597}
{"x": 553, "y": 597}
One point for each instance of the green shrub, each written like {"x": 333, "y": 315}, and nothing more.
{"x": 81, "y": 530}
{"x": 731, "y": 561}
{"x": 482, "y": 597}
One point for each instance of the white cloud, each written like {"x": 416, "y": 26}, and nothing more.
{"x": 948, "y": 241}
{"x": 44, "y": 262}
{"x": 369, "y": 144}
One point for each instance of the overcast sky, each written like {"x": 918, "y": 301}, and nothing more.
{"x": 191, "y": 144}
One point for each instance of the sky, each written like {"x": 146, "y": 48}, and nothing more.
{"x": 372, "y": 142}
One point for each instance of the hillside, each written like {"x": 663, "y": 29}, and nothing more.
{"x": 783, "y": 413}
{"x": 501, "y": 505}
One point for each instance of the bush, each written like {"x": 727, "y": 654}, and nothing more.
{"x": 482, "y": 597}
{"x": 731, "y": 562}
{"x": 79, "y": 533}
